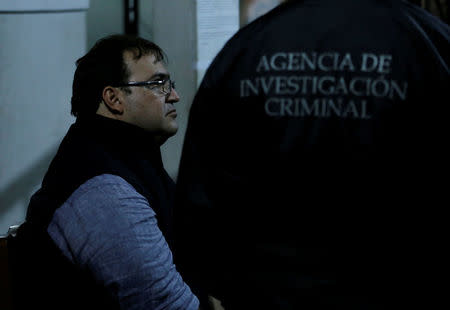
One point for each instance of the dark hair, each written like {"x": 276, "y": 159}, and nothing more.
{"x": 104, "y": 65}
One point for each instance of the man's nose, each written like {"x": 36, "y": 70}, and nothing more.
{"x": 173, "y": 96}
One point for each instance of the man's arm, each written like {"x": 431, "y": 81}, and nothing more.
{"x": 110, "y": 229}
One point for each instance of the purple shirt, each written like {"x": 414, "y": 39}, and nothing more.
{"x": 110, "y": 229}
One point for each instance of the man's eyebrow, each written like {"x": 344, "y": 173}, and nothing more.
{"x": 159, "y": 76}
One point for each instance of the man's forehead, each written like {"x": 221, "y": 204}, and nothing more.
{"x": 129, "y": 56}
{"x": 148, "y": 63}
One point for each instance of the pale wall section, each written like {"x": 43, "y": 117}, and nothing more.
{"x": 104, "y": 17}
{"x": 38, "y": 49}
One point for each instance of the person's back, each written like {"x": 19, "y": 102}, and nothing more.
{"x": 312, "y": 134}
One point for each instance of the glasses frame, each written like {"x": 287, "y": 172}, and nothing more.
{"x": 149, "y": 83}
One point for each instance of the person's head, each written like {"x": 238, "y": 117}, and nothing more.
{"x": 106, "y": 82}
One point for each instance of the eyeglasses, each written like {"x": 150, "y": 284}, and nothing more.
{"x": 165, "y": 86}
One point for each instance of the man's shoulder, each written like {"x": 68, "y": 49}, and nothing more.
{"x": 105, "y": 179}
{"x": 103, "y": 188}
{"x": 103, "y": 201}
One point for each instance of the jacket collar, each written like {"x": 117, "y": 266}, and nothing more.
{"x": 120, "y": 137}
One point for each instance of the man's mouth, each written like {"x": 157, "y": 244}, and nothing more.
{"x": 172, "y": 113}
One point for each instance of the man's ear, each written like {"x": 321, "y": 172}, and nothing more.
{"x": 111, "y": 98}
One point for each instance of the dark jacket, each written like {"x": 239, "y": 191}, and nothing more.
{"x": 93, "y": 146}
{"x": 315, "y": 131}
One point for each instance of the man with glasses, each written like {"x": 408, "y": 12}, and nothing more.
{"x": 101, "y": 221}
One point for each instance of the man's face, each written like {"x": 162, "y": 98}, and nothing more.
{"x": 148, "y": 107}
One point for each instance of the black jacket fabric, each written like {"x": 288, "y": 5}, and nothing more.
{"x": 94, "y": 145}
{"x": 307, "y": 173}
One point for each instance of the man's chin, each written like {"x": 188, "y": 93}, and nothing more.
{"x": 166, "y": 135}
{"x": 173, "y": 129}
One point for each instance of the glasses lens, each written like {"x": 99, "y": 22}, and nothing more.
{"x": 167, "y": 87}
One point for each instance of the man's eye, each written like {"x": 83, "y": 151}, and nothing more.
{"x": 155, "y": 83}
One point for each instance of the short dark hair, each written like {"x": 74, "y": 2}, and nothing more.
{"x": 104, "y": 65}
